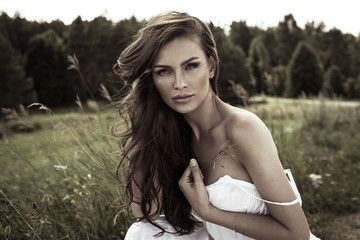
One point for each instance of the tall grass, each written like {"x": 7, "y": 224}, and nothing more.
{"x": 60, "y": 182}
{"x": 320, "y": 143}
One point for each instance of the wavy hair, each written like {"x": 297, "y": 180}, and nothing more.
{"x": 156, "y": 143}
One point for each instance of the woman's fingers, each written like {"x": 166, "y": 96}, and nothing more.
{"x": 196, "y": 172}
{"x": 192, "y": 186}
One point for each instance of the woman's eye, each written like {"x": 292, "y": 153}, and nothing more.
{"x": 192, "y": 66}
{"x": 163, "y": 72}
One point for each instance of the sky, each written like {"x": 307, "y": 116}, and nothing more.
{"x": 343, "y": 14}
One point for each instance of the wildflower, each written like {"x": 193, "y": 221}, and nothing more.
{"x": 76, "y": 190}
{"x": 66, "y": 179}
{"x": 315, "y": 180}
{"x": 67, "y": 196}
{"x": 45, "y": 199}
{"x": 60, "y": 167}
{"x": 89, "y": 175}
{"x": 72, "y": 201}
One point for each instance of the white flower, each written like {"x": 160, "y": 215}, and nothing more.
{"x": 60, "y": 167}
{"x": 316, "y": 179}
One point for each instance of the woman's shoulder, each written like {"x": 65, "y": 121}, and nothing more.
{"x": 242, "y": 126}
{"x": 242, "y": 119}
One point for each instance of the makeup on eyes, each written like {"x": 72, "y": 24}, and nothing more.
{"x": 188, "y": 64}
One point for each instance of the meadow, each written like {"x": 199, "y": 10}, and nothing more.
{"x": 59, "y": 181}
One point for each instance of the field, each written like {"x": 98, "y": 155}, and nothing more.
{"x": 60, "y": 182}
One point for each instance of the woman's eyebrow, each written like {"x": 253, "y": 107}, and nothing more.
{"x": 189, "y": 60}
{"x": 181, "y": 64}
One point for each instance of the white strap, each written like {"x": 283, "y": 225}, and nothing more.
{"x": 293, "y": 186}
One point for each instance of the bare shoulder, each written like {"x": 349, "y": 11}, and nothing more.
{"x": 243, "y": 123}
{"x": 249, "y": 134}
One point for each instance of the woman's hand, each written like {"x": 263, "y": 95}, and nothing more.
{"x": 192, "y": 185}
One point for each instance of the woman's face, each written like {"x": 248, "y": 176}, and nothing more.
{"x": 181, "y": 74}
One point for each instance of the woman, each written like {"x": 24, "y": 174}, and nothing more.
{"x": 175, "y": 115}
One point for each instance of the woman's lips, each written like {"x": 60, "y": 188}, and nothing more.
{"x": 183, "y": 98}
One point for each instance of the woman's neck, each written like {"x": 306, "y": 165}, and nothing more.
{"x": 207, "y": 116}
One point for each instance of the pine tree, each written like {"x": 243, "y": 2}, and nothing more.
{"x": 47, "y": 65}
{"x": 232, "y": 64}
{"x": 277, "y": 80}
{"x": 15, "y": 88}
{"x": 352, "y": 87}
{"x": 259, "y": 63}
{"x": 305, "y": 72}
{"x": 333, "y": 82}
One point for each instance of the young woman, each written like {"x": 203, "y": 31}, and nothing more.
{"x": 174, "y": 117}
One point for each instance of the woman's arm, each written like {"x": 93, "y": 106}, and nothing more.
{"x": 254, "y": 226}
{"x": 257, "y": 151}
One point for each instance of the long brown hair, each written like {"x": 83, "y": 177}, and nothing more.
{"x": 157, "y": 140}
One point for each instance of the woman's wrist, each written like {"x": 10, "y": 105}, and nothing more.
{"x": 209, "y": 213}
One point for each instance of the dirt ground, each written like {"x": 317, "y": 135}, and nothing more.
{"x": 344, "y": 228}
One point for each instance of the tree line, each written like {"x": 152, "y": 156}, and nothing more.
{"x": 285, "y": 60}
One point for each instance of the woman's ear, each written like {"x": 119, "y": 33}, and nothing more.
{"x": 212, "y": 66}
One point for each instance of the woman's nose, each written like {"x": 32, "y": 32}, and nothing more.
{"x": 179, "y": 82}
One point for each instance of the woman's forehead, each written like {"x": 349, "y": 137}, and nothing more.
{"x": 178, "y": 50}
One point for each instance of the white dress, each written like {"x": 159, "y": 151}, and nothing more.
{"x": 223, "y": 194}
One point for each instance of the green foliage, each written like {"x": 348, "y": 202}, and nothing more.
{"x": 337, "y": 51}
{"x": 305, "y": 72}
{"x": 259, "y": 63}
{"x": 241, "y": 34}
{"x": 60, "y": 182}
{"x": 354, "y": 50}
{"x": 45, "y": 52}
{"x": 123, "y": 31}
{"x": 314, "y": 35}
{"x": 95, "y": 57}
{"x": 352, "y": 87}
{"x": 271, "y": 43}
{"x": 275, "y": 82}
{"x": 318, "y": 140}
{"x": 15, "y": 88}
{"x": 98, "y": 43}
{"x": 333, "y": 82}
{"x": 232, "y": 64}
{"x": 288, "y": 35}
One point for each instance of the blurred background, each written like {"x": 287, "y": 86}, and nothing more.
{"x": 296, "y": 64}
